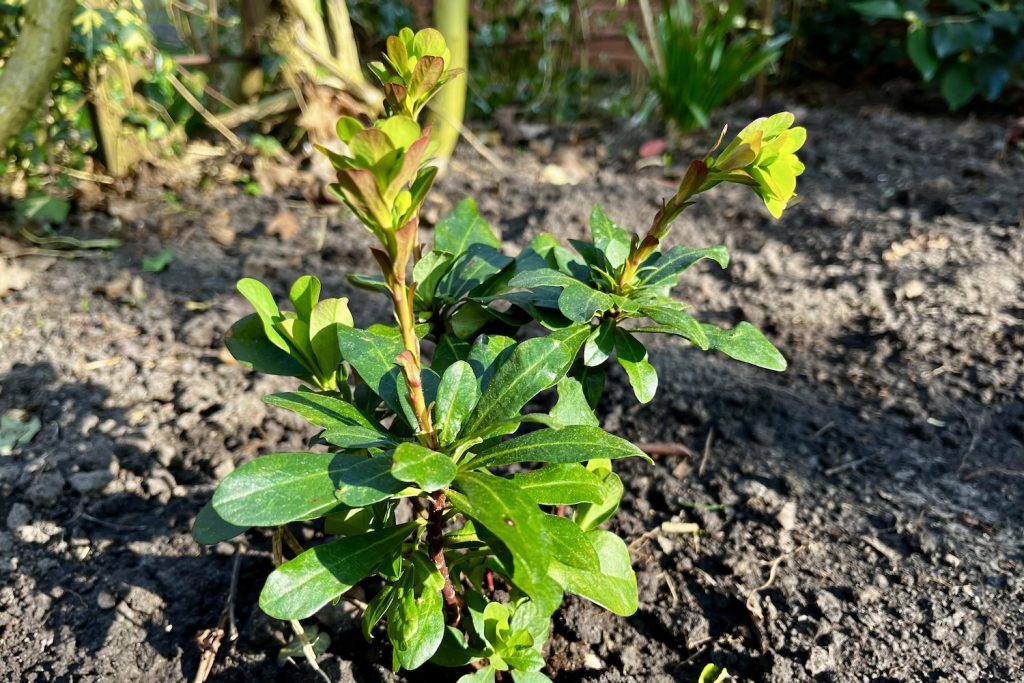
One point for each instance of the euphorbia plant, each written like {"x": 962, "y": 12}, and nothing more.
{"x": 424, "y": 475}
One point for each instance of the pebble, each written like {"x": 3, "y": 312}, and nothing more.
{"x": 830, "y": 606}
{"x": 592, "y": 661}
{"x": 105, "y": 600}
{"x": 89, "y": 482}
{"x": 787, "y": 516}
{"x": 819, "y": 661}
{"x": 18, "y": 517}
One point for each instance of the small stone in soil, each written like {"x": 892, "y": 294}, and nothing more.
{"x": 105, "y": 600}
{"x": 46, "y": 488}
{"x": 89, "y": 482}
{"x": 787, "y": 516}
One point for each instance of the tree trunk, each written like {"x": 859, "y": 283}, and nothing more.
{"x": 26, "y": 76}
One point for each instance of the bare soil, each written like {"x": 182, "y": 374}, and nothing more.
{"x": 860, "y": 514}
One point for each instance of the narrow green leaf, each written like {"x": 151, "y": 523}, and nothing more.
{"x": 416, "y": 619}
{"x": 430, "y": 470}
{"x": 463, "y": 227}
{"x": 279, "y": 488}
{"x": 681, "y": 323}
{"x": 498, "y": 506}
{"x": 323, "y": 336}
{"x": 581, "y": 303}
{"x": 542, "y": 277}
{"x": 301, "y": 586}
{"x": 613, "y": 586}
{"x": 590, "y": 515}
{"x": 561, "y": 484}
{"x": 532, "y": 367}
{"x": 210, "y": 528}
{"x": 353, "y": 437}
{"x": 376, "y": 609}
{"x": 304, "y": 295}
{"x": 457, "y": 396}
{"x": 427, "y": 273}
{"x": 572, "y": 407}
{"x": 266, "y": 308}
{"x": 449, "y": 349}
{"x": 365, "y": 481}
{"x": 570, "y": 444}
{"x": 321, "y": 410}
{"x": 665, "y": 270}
{"x": 473, "y": 269}
{"x": 632, "y": 356}
{"x": 745, "y": 343}
{"x": 919, "y": 49}
{"x": 958, "y": 86}
{"x": 608, "y": 237}
{"x": 488, "y": 352}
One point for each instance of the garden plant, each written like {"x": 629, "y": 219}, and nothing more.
{"x": 439, "y": 480}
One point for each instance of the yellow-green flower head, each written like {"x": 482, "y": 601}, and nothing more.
{"x": 763, "y": 155}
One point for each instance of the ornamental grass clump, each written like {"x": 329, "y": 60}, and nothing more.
{"x": 420, "y": 418}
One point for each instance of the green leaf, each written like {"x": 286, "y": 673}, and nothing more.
{"x": 373, "y": 357}
{"x": 285, "y": 487}
{"x": 613, "y": 585}
{"x": 608, "y": 237}
{"x": 484, "y": 675}
{"x": 953, "y": 36}
{"x": 248, "y": 343}
{"x": 590, "y": 515}
{"x": 529, "y": 677}
{"x": 376, "y": 609}
{"x": 158, "y": 263}
{"x": 532, "y": 367}
{"x": 879, "y": 9}
{"x": 713, "y": 673}
{"x": 600, "y": 344}
{"x": 210, "y": 528}
{"x": 461, "y": 228}
{"x": 473, "y": 269}
{"x": 498, "y": 506}
{"x": 745, "y": 343}
{"x": 561, "y": 484}
{"x": 570, "y": 444}
{"x": 957, "y": 85}
{"x": 430, "y": 470}
{"x": 572, "y": 407}
{"x": 542, "y": 277}
{"x": 632, "y": 356}
{"x": 323, "y": 336}
{"x": 468, "y": 319}
{"x": 353, "y": 437}
{"x": 416, "y": 618}
{"x": 257, "y": 294}
{"x": 919, "y": 49}
{"x": 457, "y": 396}
{"x": 570, "y": 546}
{"x": 449, "y": 349}
{"x": 301, "y": 586}
{"x": 487, "y": 353}
{"x": 321, "y": 410}
{"x": 665, "y": 270}
{"x": 304, "y": 295}
{"x": 427, "y": 273}
{"x": 679, "y": 322}
{"x": 454, "y": 651}
{"x": 581, "y": 303}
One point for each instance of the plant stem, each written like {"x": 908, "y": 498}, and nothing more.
{"x": 402, "y": 297}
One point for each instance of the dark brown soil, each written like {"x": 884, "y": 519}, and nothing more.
{"x": 860, "y": 513}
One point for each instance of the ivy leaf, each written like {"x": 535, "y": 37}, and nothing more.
{"x": 608, "y": 237}
{"x": 666, "y": 268}
{"x": 248, "y": 343}
{"x": 572, "y": 407}
{"x": 301, "y": 586}
{"x": 457, "y": 396}
{"x": 632, "y": 356}
{"x": 613, "y": 585}
{"x": 532, "y": 367}
{"x": 497, "y": 505}
{"x": 210, "y": 528}
{"x": 570, "y": 444}
{"x": 561, "y": 484}
{"x": 581, "y": 303}
{"x": 745, "y": 343}
{"x": 430, "y": 470}
{"x": 463, "y": 227}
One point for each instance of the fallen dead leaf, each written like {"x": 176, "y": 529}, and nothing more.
{"x": 285, "y": 225}
{"x": 218, "y": 227}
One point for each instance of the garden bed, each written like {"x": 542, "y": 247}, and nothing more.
{"x": 860, "y": 513}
